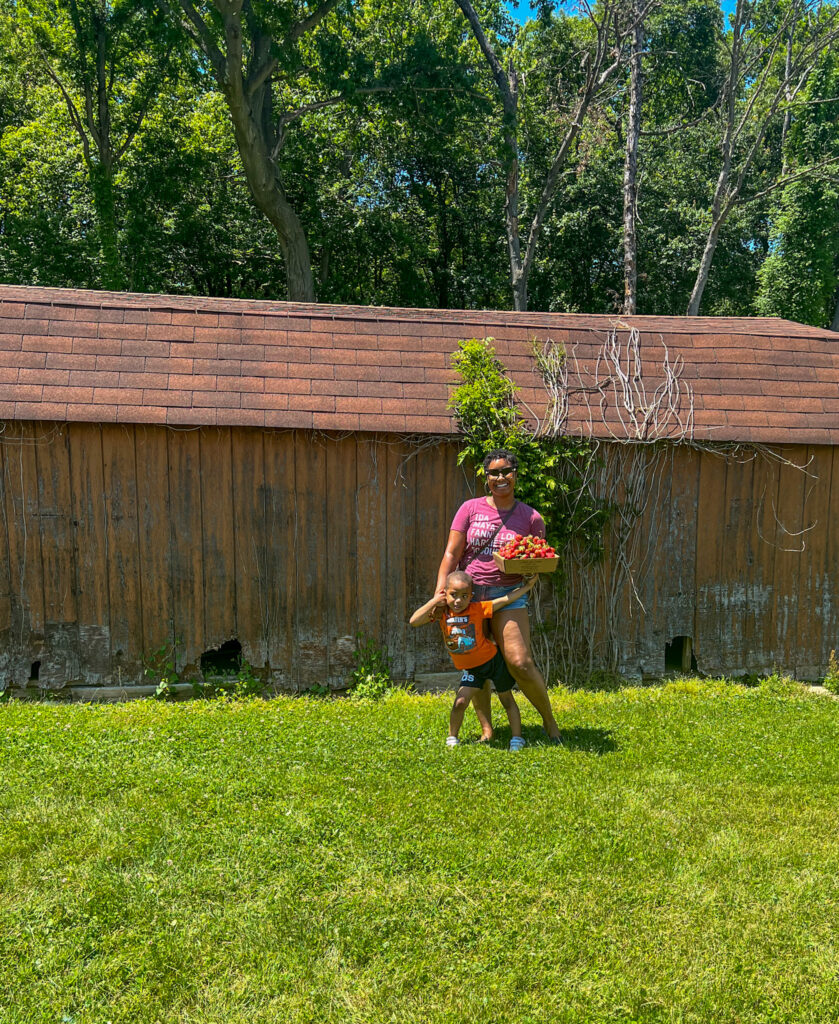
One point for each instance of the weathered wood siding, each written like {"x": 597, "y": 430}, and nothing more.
{"x": 740, "y": 552}
{"x": 117, "y": 541}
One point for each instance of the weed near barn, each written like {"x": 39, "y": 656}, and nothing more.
{"x": 323, "y": 860}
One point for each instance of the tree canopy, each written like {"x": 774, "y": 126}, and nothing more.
{"x": 429, "y": 153}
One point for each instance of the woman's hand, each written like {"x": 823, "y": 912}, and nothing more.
{"x": 455, "y": 546}
{"x": 429, "y": 612}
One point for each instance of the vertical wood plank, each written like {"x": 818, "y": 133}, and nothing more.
{"x": 737, "y": 568}
{"x": 6, "y": 596}
{"x": 285, "y": 527}
{"x": 60, "y": 663}
{"x": 91, "y": 552}
{"x": 661, "y": 582}
{"x": 371, "y": 542}
{"x": 248, "y": 482}
{"x": 400, "y": 489}
{"x": 678, "y": 566}
{"x": 186, "y": 546}
{"x": 710, "y": 596}
{"x": 814, "y": 611}
{"x": 645, "y": 633}
{"x": 766, "y": 479}
{"x": 313, "y": 588}
{"x": 680, "y": 614}
{"x": 342, "y": 558}
{"x": 432, "y": 519}
{"x": 791, "y": 546}
{"x": 155, "y": 543}
{"x": 830, "y": 591}
{"x": 25, "y": 567}
{"x": 123, "y": 560}
{"x": 218, "y": 553}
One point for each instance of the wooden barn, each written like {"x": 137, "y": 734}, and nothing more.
{"x": 187, "y": 476}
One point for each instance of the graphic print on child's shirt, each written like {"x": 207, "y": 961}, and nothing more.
{"x": 460, "y": 637}
{"x": 466, "y": 641}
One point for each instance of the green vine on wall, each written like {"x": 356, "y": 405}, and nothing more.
{"x": 553, "y": 471}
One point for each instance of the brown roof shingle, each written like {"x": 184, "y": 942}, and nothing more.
{"x": 182, "y": 360}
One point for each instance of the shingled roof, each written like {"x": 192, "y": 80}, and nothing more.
{"x": 111, "y": 357}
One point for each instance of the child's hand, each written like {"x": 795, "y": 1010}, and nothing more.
{"x": 437, "y": 608}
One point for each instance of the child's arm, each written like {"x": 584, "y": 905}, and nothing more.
{"x": 502, "y": 602}
{"x": 428, "y": 611}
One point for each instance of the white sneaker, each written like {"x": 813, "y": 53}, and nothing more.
{"x": 452, "y": 741}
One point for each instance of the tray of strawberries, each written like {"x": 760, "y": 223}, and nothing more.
{"x": 525, "y": 556}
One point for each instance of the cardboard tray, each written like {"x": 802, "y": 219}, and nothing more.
{"x": 525, "y": 566}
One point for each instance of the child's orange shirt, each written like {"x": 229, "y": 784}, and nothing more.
{"x": 464, "y": 635}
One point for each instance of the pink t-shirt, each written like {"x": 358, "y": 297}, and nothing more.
{"x": 478, "y": 520}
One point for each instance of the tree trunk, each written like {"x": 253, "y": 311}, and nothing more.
{"x": 102, "y": 171}
{"x": 261, "y": 170}
{"x": 507, "y": 83}
{"x": 630, "y": 174}
{"x": 102, "y": 184}
{"x": 704, "y": 269}
{"x": 835, "y": 325}
{"x": 270, "y": 198}
{"x": 520, "y": 292}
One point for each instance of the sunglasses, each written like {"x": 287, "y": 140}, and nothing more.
{"x": 501, "y": 472}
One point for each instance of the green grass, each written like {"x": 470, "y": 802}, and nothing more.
{"x": 329, "y": 861}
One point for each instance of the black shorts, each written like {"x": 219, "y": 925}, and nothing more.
{"x": 494, "y": 669}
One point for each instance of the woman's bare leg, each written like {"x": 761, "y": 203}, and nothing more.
{"x": 511, "y": 629}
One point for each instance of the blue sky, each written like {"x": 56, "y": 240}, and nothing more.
{"x": 523, "y": 12}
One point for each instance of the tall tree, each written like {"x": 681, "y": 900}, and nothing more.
{"x": 799, "y": 278}
{"x": 278, "y": 64}
{"x": 109, "y": 59}
{"x": 630, "y": 172}
{"x": 770, "y": 54}
{"x": 249, "y": 45}
{"x": 609, "y": 24}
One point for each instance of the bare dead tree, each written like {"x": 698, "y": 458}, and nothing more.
{"x": 611, "y": 24}
{"x": 630, "y": 167}
{"x": 633, "y": 394}
{"x": 768, "y": 64}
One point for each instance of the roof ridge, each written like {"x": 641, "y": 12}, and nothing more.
{"x": 91, "y": 299}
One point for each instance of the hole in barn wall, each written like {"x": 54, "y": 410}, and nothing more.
{"x": 679, "y": 656}
{"x": 222, "y": 661}
{"x": 35, "y": 672}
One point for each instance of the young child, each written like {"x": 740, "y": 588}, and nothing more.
{"x": 472, "y": 650}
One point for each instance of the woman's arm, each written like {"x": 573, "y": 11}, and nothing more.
{"x": 427, "y": 612}
{"x": 514, "y": 595}
{"x": 453, "y": 553}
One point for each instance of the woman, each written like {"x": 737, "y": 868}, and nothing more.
{"x": 481, "y": 526}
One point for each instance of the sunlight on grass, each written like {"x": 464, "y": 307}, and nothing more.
{"x": 324, "y": 860}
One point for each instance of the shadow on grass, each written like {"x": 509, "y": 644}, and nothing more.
{"x": 592, "y": 741}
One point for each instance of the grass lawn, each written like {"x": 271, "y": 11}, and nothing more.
{"x": 329, "y": 861}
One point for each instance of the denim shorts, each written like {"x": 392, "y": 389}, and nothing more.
{"x": 484, "y": 593}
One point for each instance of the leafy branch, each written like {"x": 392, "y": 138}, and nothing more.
{"x": 553, "y": 470}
